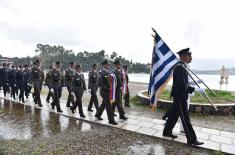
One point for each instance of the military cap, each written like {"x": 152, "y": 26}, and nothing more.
{"x": 12, "y": 66}
{"x": 184, "y": 51}
{"x": 58, "y": 63}
{"x": 51, "y": 67}
{"x": 105, "y": 62}
{"x": 117, "y": 61}
{"x": 78, "y": 66}
{"x": 37, "y": 61}
{"x": 94, "y": 65}
{"x": 72, "y": 63}
{"x": 26, "y": 65}
{"x": 20, "y": 66}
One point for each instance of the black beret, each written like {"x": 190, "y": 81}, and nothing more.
{"x": 57, "y": 63}
{"x": 184, "y": 51}
{"x": 117, "y": 61}
{"x": 105, "y": 62}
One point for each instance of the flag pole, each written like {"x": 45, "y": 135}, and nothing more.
{"x": 200, "y": 87}
{"x": 203, "y": 81}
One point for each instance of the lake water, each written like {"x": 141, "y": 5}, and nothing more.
{"x": 212, "y": 81}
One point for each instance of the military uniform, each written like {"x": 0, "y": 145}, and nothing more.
{"x": 79, "y": 86}
{"x": 28, "y": 82}
{"x": 180, "y": 90}
{"x": 69, "y": 74}
{"x": 5, "y": 80}
{"x": 127, "y": 94}
{"x": 118, "y": 97}
{"x": 47, "y": 83}
{"x": 93, "y": 85}
{"x": 37, "y": 80}
{"x": 104, "y": 86}
{"x": 20, "y": 78}
{"x": 12, "y": 82}
{"x": 56, "y": 84}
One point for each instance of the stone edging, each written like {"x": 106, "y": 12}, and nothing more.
{"x": 223, "y": 109}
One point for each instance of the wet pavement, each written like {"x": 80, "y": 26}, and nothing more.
{"x": 28, "y": 130}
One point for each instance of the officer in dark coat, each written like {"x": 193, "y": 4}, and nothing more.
{"x": 47, "y": 83}
{"x": 79, "y": 86}
{"x": 93, "y": 86}
{"x": 104, "y": 86}
{"x": 180, "y": 90}
{"x": 5, "y": 80}
{"x": 12, "y": 81}
{"x": 118, "y": 97}
{"x": 56, "y": 85}
{"x": 28, "y": 82}
{"x": 20, "y": 78}
{"x": 37, "y": 80}
{"x": 68, "y": 77}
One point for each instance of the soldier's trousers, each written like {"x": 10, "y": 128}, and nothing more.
{"x": 94, "y": 99}
{"x": 49, "y": 95}
{"x": 78, "y": 103}
{"x": 56, "y": 98}
{"x": 180, "y": 109}
{"x": 105, "y": 105}
{"x": 118, "y": 104}
{"x": 21, "y": 95}
{"x": 27, "y": 90}
{"x": 70, "y": 98}
{"x": 13, "y": 91}
{"x": 5, "y": 88}
{"x": 37, "y": 90}
{"x": 127, "y": 97}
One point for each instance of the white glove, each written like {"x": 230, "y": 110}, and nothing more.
{"x": 200, "y": 81}
{"x": 73, "y": 94}
{"x": 14, "y": 85}
{"x": 200, "y": 90}
{"x": 28, "y": 84}
{"x": 51, "y": 90}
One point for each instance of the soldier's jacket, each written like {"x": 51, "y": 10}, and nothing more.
{"x": 180, "y": 87}
{"x": 48, "y": 78}
{"x": 4, "y": 75}
{"x": 37, "y": 75}
{"x": 20, "y": 78}
{"x": 119, "y": 77}
{"x": 28, "y": 75}
{"x": 68, "y": 77}
{"x": 56, "y": 79}
{"x": 79, "y": 84}
{"x": 103, "y": 82}
{"x": 93, "y": 80}
{"x": 12, "y": 77}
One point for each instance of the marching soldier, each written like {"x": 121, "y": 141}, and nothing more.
{"x": 13, "y": 81}
{"x": 104, "y": 86}
{"x": 28, "y": 82}
{"x": 69, "y": 74}
{"x": 93, "y": 86}
{"x": 5, "y": 81}
{"x": 180, "y": 90}
{"x": 79, "y": 86}
{"x": 126, "y": 87}
{"x": 56, "y": 86}
{"x": 37, "y": 79}
{"x": 47, "y": 83}
{"x": 20, "y": 78}
{"x": 118, "y": 98}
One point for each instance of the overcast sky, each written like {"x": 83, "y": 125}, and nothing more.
{"x": 123, "y": 26}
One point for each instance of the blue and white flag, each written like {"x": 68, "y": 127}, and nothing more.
{"x": 163, "y": 62}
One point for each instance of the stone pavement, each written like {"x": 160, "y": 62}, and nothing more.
{"x": 213, "y": 139}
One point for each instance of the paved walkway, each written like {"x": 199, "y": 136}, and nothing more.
{"x": 213, "y": 139}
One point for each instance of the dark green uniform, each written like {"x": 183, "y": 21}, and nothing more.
{"x": 37, "y": 79}
{"x": 79, "y": 86}
{"x": 93, "y": 85}
{"x": 69, "y": 74}
{"x": 56, "y": 84}
{"x": 47, "y": 83}
{"x": 104, "y": 86}
{"x": 118, "y": 96}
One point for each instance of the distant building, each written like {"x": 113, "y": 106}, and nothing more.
{"x": 6, "y": 60}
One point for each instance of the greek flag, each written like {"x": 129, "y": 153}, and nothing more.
{"x": 163, "y": 62}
